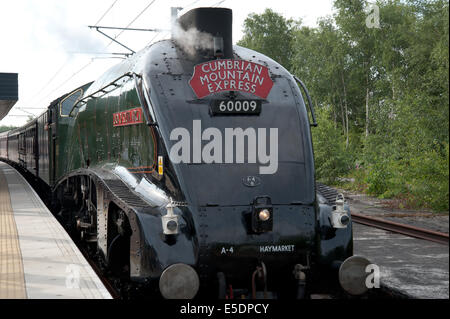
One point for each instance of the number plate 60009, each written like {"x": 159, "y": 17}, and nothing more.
{"x": 229, "y": 107}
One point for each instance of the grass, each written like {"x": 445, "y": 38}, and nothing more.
{"x": 356, "y": 181}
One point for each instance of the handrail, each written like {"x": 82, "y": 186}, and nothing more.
{"x": 83, "y": 101}
{"x": 145, "y": 105}
{"x": 311, "y": 107}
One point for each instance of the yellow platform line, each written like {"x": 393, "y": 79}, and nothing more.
{"x": 12, "y": 279}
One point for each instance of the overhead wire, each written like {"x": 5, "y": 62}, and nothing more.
{"x": 92, "y": 60}
{"x": 218, "y": 3}
{"x": 63, "y": 83}
{"x": 132, "y": 21}
{"x": 68, "y": 79}
{"x": 66, "y": 63}
{"x": 39, "y": 92}
{"x": 191, "y": 4}
{"x": 106, "y": 12}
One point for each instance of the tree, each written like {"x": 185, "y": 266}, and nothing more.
{"x": 4, "y": 128}
{"x": 351, "y": 20}
{"x": 320, "y": 59}
{"x": 270, "y": 34}
{"x": 381, "y": 94}
{"x": 331, "y": 158}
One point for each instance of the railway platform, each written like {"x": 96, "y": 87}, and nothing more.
{"x": 413, "y": 267}
{"x": 38, "y": 259}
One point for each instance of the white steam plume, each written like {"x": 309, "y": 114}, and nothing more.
{"x": 192, "y": 39}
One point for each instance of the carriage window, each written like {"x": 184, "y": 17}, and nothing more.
{"x": 67, "y": 104}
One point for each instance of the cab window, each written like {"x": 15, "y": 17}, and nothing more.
{"x": 66, "y": 105}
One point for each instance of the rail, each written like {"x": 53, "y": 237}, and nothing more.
{"x": 408, "y": 230}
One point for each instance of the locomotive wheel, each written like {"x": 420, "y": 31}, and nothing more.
{"x": 117, "y": 260}
{"x": 118, "y": 243}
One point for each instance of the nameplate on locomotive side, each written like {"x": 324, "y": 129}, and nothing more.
{"x": 231, "y": 75}
{"x": 128, "y": 117}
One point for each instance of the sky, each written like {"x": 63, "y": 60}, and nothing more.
{"x": 49, "y": 44}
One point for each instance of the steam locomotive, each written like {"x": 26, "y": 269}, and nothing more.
{"x": 189, "y": 167}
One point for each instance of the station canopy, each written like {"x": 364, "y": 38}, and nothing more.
{"x": 9, "y": 93}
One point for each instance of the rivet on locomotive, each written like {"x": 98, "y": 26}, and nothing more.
{"x": 189, "y": 168}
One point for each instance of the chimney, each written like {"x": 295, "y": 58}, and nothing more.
{"x": 216, "y": 21}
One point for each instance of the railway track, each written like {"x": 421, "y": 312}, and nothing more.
{"x": 404, "y": 229}
{"x": 442, "y": 238}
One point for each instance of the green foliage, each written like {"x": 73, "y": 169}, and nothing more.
{"x": 332, "y": 159}
{"x": 271, "y": 34}
{"x": 428, "y": 175}
{"x": 4, "y": 128}
{"x": 400, "y": 71}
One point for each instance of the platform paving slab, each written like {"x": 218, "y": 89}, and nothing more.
{"x": 53, "y": 267}
{"x": 415, "y": 267}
